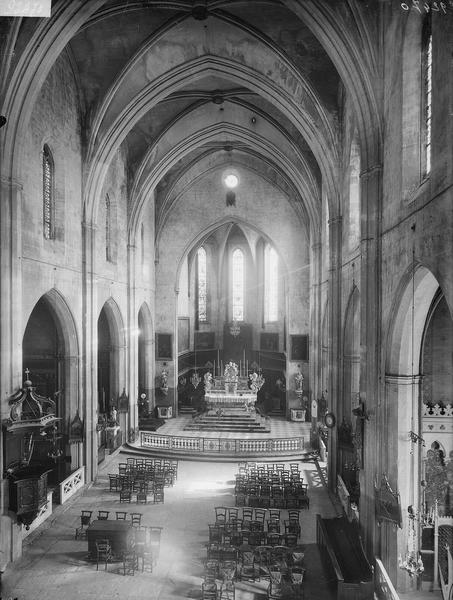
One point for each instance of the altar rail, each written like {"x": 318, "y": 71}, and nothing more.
{"x": 70, "y": 485}
{"x": 216, "y": 446}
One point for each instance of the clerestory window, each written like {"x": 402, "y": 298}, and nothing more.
{"x": 238, "y": 285}
{"x": 202, "y": 286}
{"x": 270, "y": 284}
{"x": 48, "y": 172}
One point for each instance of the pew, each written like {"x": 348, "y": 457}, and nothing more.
{"x": 343, "y": 555}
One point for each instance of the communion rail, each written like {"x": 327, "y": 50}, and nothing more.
{"x": 217, "y": 446}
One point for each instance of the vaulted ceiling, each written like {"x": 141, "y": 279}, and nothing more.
{"x": 193, "y": 85}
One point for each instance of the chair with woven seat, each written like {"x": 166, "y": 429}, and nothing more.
{"x": 273, "y": 526}
{"x": 130, "y": 562}
{"x": 85, "y": 520}
{"x": 292, "y": 526}
{"x": 143, "y": 549}
{"x": 136, "y": 519}
{"x": 227, "y": 590}
{"x": 215, "y": 533}
{"x": 121, "y": 516}
{"x": 293, "y": 515}
{"x": 209, "y": 590}
{"x": 273, "y": 539}
{"x": 158, "y": 494}
{"x": 246, "y": 568}
{"x": 125, "y": 495}
{"x": 221, "y": 515}
{"x": 103, "y": 553}
{"x": 275, "y": 589}
{"x": 103, "y": 515}
{"x": 114, "y": 481}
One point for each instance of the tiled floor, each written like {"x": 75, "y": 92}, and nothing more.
{"x": 54, "y": 564}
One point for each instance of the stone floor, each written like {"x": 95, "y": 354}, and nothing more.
{"x": 54, "y": 564}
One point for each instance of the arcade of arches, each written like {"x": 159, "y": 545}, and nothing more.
{"x": 173, "y": 170}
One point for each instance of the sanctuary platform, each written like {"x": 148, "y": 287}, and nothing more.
{"x": 283, "y": 439}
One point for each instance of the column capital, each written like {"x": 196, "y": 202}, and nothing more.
{"x": 335, "y": 220}
{"x": 371, "y": 170}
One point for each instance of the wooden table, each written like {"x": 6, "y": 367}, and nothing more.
{"x": 119, "y": 533}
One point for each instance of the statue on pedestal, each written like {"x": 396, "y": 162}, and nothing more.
{"x": 207, "y": 381}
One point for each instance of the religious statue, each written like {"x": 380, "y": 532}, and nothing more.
{"x": 231, "y": 377}
{"x": 164, "y": 381}
{"x": 207, "y": 381}
{"x": 231, "y": 372}
{"x": 113, "y": 415}
{"x": 299, "y": 382}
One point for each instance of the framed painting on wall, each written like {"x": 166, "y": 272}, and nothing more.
{"x": 164, "y": 346}
{"x": 204, "y": 340}
{"x": 299, "y": 347}
{"x": 183, "y": 334}
{"x": 269, "y": 342}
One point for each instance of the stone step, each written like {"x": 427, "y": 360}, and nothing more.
{"x": 231, "y": 428}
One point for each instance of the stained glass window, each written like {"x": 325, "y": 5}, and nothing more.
{"x": 48, "y": 193}
{"x": 108, "y": 229}
{"x": 270, "y": 284}
{"x": 427, "y": 89}
{"x": 202, "y": 285}
{"x": 238, "y": 285}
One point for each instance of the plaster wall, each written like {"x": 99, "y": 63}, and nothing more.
{"x": 260, "y": 206}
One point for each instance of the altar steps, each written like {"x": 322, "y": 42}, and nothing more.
{"x": 227, "y": 422}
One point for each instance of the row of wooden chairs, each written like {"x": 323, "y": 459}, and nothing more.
{"x": 144, "y": 495}
{"x": 226, "y": 514}
{"x": 249, "y": 466}
{"x": 103, "y": 515}
{"x": 283, "y": 497}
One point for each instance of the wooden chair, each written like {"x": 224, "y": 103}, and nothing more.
{"x": 85, "y": 520}
{"x": 103, "y": 553}
{"x": 125, "y": 496}
{"x": 221, "y": 515}
{"x": 130, "y": 562}
{"x": 246, "y": 568}
{"x": 103, "y": 515}
{"x": 114, "y": 482}
{"x": 136, "y": 519}
{"x": 209, "y": 590}
{"x": 121, "y": 516}
{"x": 159, "y": 495}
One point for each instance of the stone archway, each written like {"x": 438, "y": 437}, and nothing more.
{"x": 50, "y": 351}
{"x": 401, "y": 455}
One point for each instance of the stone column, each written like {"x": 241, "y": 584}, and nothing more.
{"x": 89, "y": 354}
{"x": 334, "y": 369}
{"x": 315, "y": 333}
{"x": 371, "y": 388}
{"x": 132, "y": 341}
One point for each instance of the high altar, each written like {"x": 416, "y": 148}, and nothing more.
{"x": 231, "y": 390}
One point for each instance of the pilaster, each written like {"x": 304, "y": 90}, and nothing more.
{"x": 90, "y": 344}
{"x": 334, "y": 341}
